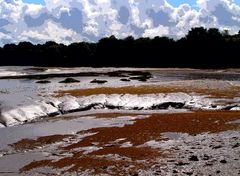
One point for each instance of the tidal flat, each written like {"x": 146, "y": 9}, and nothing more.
{"x": 119, "y": 121}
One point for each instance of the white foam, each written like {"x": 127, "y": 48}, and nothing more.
{"x": 68, "y": 104}
{"x": 235, "y": 109}
{"x": 26, "y": 113}
{"x": 127, "y": 101}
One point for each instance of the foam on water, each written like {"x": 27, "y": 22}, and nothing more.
{"x": 67, "y": 104}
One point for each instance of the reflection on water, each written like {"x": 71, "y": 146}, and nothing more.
{"x": 193, "y": 75}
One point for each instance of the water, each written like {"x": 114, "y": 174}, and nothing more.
{"x": 194, "y": 75}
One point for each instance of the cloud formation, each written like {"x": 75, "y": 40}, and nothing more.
{"x": 69, "y": 21}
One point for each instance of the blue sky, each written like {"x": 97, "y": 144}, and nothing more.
{"x": 175, "y": 3}
{"x": 34, "y": 1}
{"x": 190, "y": 2}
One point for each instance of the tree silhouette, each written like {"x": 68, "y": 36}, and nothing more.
{"x": 200, "y": 48}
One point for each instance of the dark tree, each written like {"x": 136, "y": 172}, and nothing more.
{"x": 200, "y": 48}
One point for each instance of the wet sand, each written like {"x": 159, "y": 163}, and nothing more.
{"x": 228, "y": 91}
{"x": 121, "y": 150}
{"x": 126, "y": 128}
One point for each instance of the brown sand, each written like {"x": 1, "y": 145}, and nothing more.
{"x": 142, "y": 131}
{"x": 230, "y": 92}
{"x": 151, "y": 128}
{"x": 26, "y": 144}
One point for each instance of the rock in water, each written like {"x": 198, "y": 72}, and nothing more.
{"x": 69, "y": 80}
{"x": 124, "y": 79}
{"x": 98, "y": 81}
{"x": 43, "y": 82}
{"x": 193, "y": 158}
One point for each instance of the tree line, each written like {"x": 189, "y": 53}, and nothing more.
{"x": 200, "y": 48}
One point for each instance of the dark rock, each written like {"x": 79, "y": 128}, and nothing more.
{"x": 137, "y": 108}
{"x": 54, "y": 114}
{"x": 229, "y": 107}
{"x": 90, "y": 106}
{"x": 188, "y": 172}
{"x": 236, "y": 145}
{"x": 50, "y": 103}
{"x": 142, "y": 80}
{"x": 217, "y": 147}
{"x": 176, "y": 105}
{"x": 104, "y": 167}
{"x": 112, "y": 106}
{"x": 86, "y": 108}
{"x": 223, "y": 161}
{"x": 125, "y": 80}
{"x": 206, "y": 157}
{"x": 193, "y": 158}
{"x": 214, "y": 106}
{"x": 181, "y": 163}
{"x": 175, "y": 171}
{"x": 55, "y": 154}
{"x": 208, "y": 163}
{"x": 43, "y": 82}
{"x": 139, "y": 78}
{"x": 98, "y": 81}
{"x": 69, "y": 80}
{"x": 218, "y": 171}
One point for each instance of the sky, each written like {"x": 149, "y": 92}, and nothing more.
{"x": 67, "y": 21}
{"x": 175, "y": 3}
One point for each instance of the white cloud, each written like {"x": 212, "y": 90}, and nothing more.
{"x": 115, "y": 26}
{"x": 93, "y": 19}
{"x": 159, "y": 31}
{"x": 33, "y": 9}
{"x": 189, "y": 19}
{"x": 53, "y": 4}
{"x": 52, "y": 32}
{"x": 11, "y": 10}
{"x": 4, "y": 36}
{"x": 91, "y": 28}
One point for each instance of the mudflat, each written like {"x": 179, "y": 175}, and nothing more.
{"x": 119, "y": 121}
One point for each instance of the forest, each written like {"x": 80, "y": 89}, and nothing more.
{"x": 200, "y": 48}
